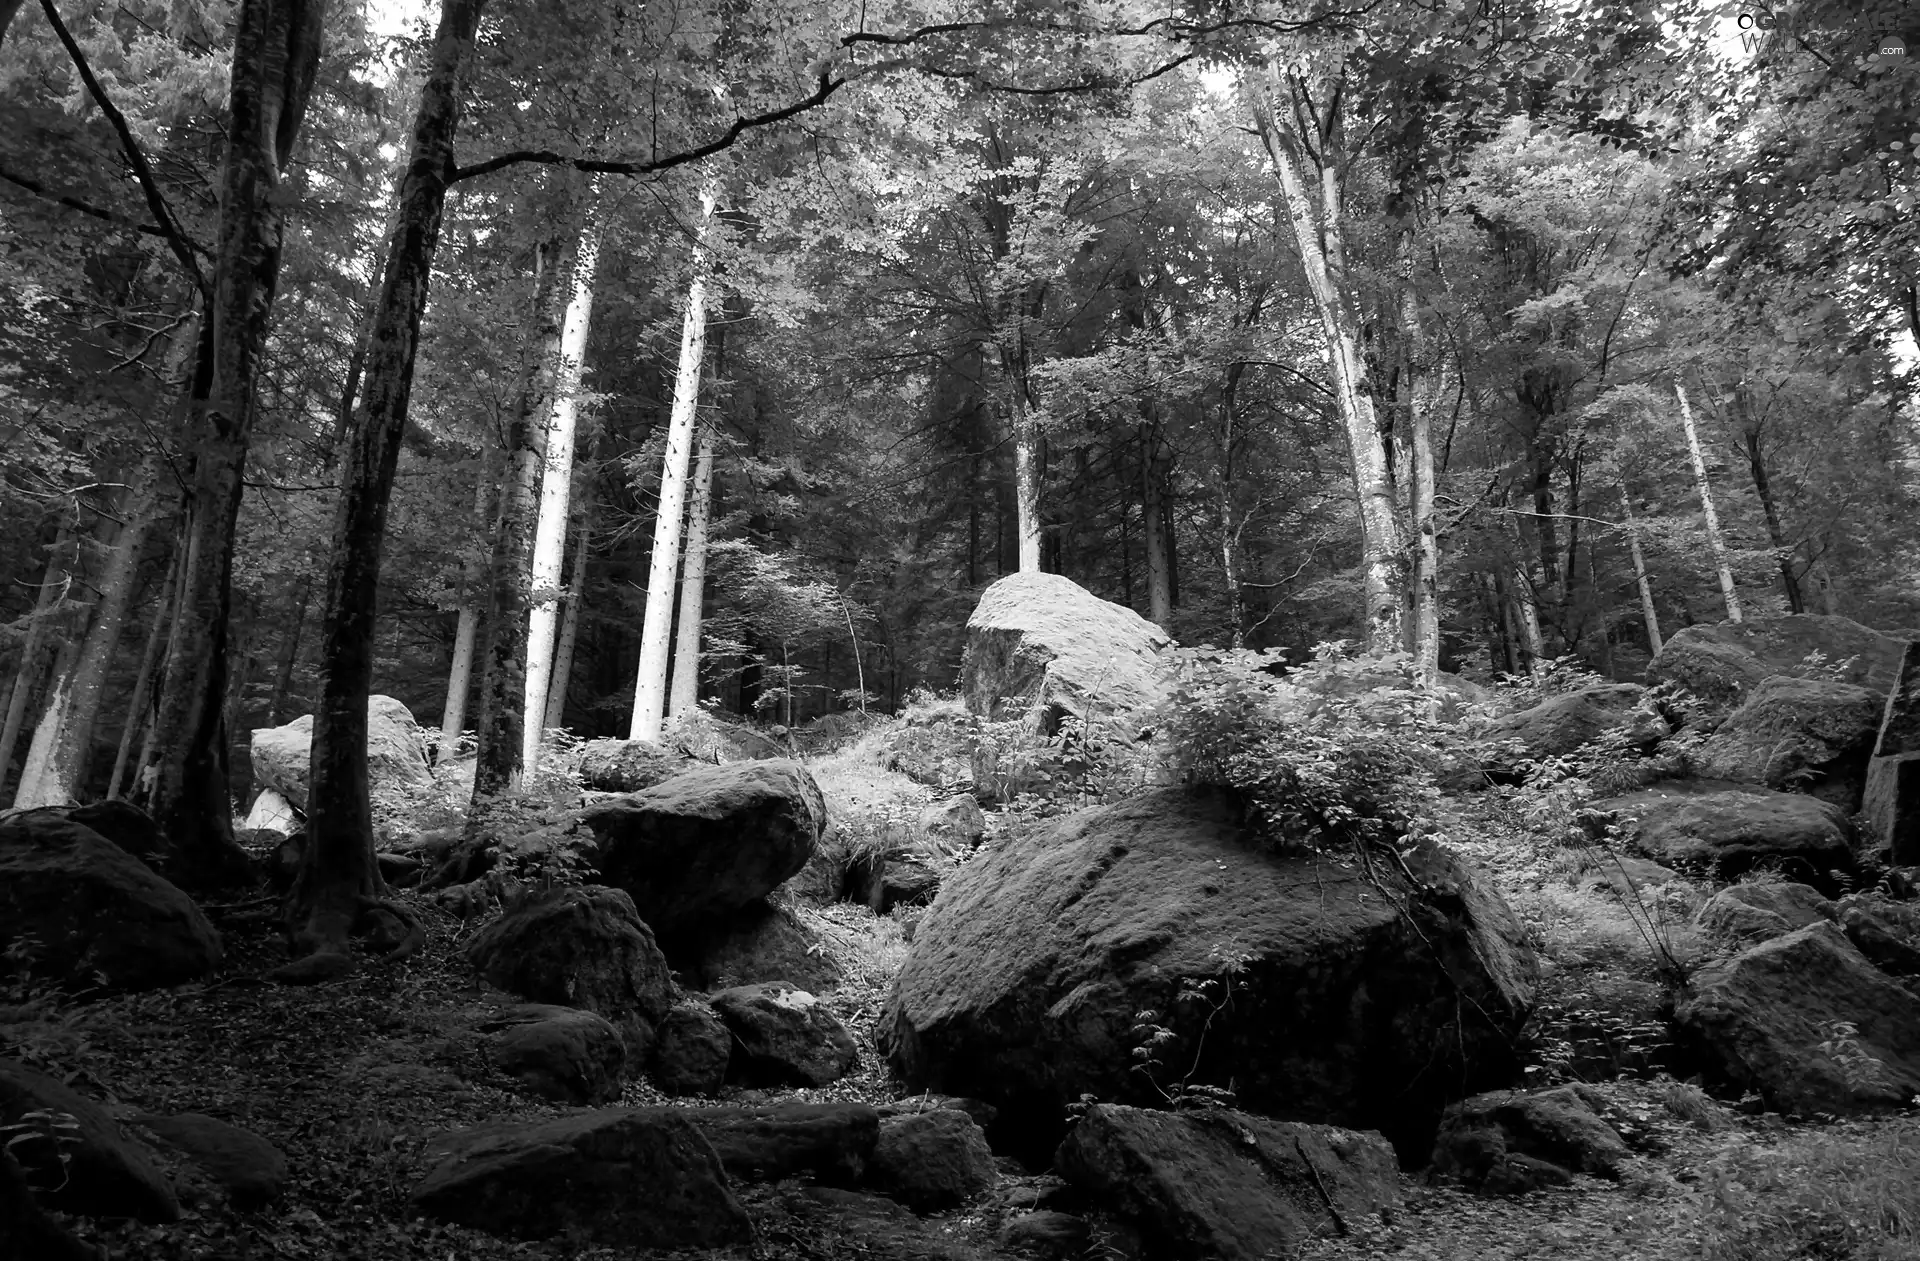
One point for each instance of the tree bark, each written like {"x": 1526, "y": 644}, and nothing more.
{"x": 556, "y": 486}
{"x": 570, "y": 623}
{"x": 453, "y": 713}
{"x": 1714, "y": 538}
{"x": 1026, "y": 473}
{"x": 1153, "y": 527}
{"x": 277, "y": 45}
{"x": 139, "y": 704}
{"x": 290, "y": 652}
{"x": 337, "y": 871}
{"x": 684, "y": 695}
{"x": 1648, "y": 612}
{"x": 1303, "y": 142}
{"x": 26, "y": 678}
{"x": 1776, "y": 532}
{"x": 1425, "y": 591}
{"x": 650, "y": 686}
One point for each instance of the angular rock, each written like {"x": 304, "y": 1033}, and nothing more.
{"x": 580, "y": 947}
{"x": 1810, "y": 735}
{"x": 250, "y": 1169}
{"x": 708, "y": 841}
{"x": 624, "y": 766}
{"x": 759, "y": 942}
{"x": 1219, "y": 1185}
{"x": 273, "y": 813}
{"x": 1560, "y": 724}
{"x": 982, "y": 1112}
{"x": 127, "y": 826}
{"x": 560, "y": 1053}
{"x": 1726, "y": 830}
{"x": 1048, "y": 1235}
{"x": 1757, "y": 1021}
{"x": 86, "y": 913}
{"x": 1891, "y": 799}
{"x": 831, "y": 1142}
{"x": 895, "y": 878}
{"x": 690, "y": 1051}
{"x": 1025, "y": 978}
{"x": 782, "y": 1036}
{"x": 1497, "y": 1141}
{"x": 1755, "y": 912}
{"x": 930, "y": 1161}
{"x": 617, "y": 1177}
{"x": 952, "y": 827}
{"x": 1887, "y": 933}
{"x": 396, "y": 752}
{"x": 1043, "y": 644}
{"x": 1628, "y": 877}
{"x": 107, "y": 1174}
{"x": 1724, "y": 662}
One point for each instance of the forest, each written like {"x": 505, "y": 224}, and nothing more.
{"x": 575, "y": 370}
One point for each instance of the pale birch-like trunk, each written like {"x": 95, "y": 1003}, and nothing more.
{"x": 39, "y": 779}
{"x": 453, "y": 714}
{"x": 684, "y": 694}
{"x": 1304, "y": 142}
{"x": 556, "y": 485}
{"x": 1153, "y": 525}
{"x": 650, "y": 685}
{"x": 570, "y": 621}
{"x": 26, "y": 679}
{"x": 1026, "y": 475}
{"x": 1715, "y": 539}
{"x": 1523, "y": 600}
{"x": 1647, "y": 609}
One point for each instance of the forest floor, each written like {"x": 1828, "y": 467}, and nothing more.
{"x": 350, "y": 1079}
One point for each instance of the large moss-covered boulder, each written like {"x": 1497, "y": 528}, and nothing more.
{"x": 708, "y": 841}
{"x": 1725, "y": 830}
{"x": 396, "y": 752}
{"x": 1358, "y": 996}
{"x": 1772, "y": 1019}
{"x": 1809, "y": 735}
{"x": 104, "y": 1174}
{"x": 83, "y": 912}
{"x": 1723, "y": 663}
{"x": 626, "y": 766}
{"x": 1560, "y": 724}
{"x": 1043, "y": 644}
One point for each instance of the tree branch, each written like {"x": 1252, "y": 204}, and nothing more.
{"x": 156, "y": 202}
{"x": 87, "y": 208}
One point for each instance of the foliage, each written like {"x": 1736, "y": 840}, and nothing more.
{"x": 1197, "y": 1000}
{"x": 42, "y": 1140}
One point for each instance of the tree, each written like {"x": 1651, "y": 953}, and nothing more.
{"x": 1715, "y": 539}
{"x": 683, "y": 696}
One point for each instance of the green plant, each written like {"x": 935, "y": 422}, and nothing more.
{"x": 1860, "y": 1069}
{"x": 1196, "y": 1000}
{"x": 59, "y": 1132}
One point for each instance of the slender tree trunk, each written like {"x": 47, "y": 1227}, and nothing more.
{"x": 1153, "y": 502}
{"x": 453, "y": 713}
{"x": 650, "y": 686}
{"x": 1421, "y": 390}
{"x": 1647, "y": 610}
{"x": 1312, "y": 140}
{"x": 290, "y": 652}
{"x": 570, "y": 623}
{"x": 1026, "y": 476}
{"x": 1776, "y": 532}
{"x": 139, "y": 703}
{"x": 277, "y": 45}
{"x": 38, "y": 785}
{"x": 556, "y": 485}
{"x": 684, "y": 695}
{"x": 1524, "y": 589}
{"x": 1715, "y": 539}
{"x": 338, "y": 872}
{"x": 26, "y": 679}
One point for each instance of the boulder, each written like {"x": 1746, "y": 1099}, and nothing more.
{"x": 396, "y": 752}
{"x": 982, "y": 1112}
{"x": 107, "y": 1173}
{"x": 831, "y": 1142}
{"x": 271, "y": 812}
{"x": 616, "y": 1177}
{"x": 1046, "y": 1234}
{"x": 84, "y": 913}
{"x": 931, "y": 1161}
{"x": 1813, "y": 735}
{"x": 1886, "y": 932}
{"x": 1517, "y": 1140}
{"x": 1726, "y": 830}
{"x": 1024, "y": 980}
{"x": 953, "y": 827}
{"x": 251, "y": 1170}
{"x": 1722, "y": 663}
{"x": 560, "y": 1053}
{"x": 690, "y": 1050}
{"x": 782, "y": 1036}
{"x": 1042, "y": 644}
{"x": 899, "y": 877}
{"x": 624, "y": 766}
{"x": 1755, "y": 912}
{"x": 761, "y": 941}
{"x": 1560, "y": 724}
{"x": 127, "y": 826}
{"x": 1220, "y": 1185}
{"x": 580, "y": 947}
{"x": 1758, "y": 1019}
{"x": 708, "y": 841}
{"x": 1628, "y": 877}
{"x": 1891, "y": 798}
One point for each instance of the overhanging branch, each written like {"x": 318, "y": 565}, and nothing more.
{"x": 88, "y": 208}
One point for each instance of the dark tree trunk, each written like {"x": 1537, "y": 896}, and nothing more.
{"x": 290, "y": 653}
{"x": 139, "y": 704}
{"x": 337, "y": 872}
{"x": 276, "y": 54}
{"x": 1776, "y": 533}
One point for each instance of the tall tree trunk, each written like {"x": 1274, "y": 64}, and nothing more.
{"x": 1776, "y": 532}
{"x": 1421, "y": 390}
{"x": 1715, "y": 539}
{"x": 38, "y": 786}
{"x": 1648, "y": 612}
{"x": 337, "y": 872}
{"x": 499, "y": 731}
{"x": 290, "y": 651}
{"x": 684, "y": 695}
{"x": 276, "y": 54}
{"x": 650, "y": 686}
{"x": 139, "y": 703}
{"x": 1153, "y": 501}
{"x": 556, "y": 486}
{"x": 453, "y": 713}
{"x": 1026, "y": 475}
{"x": 26, "y": 679}
{"x": 1528, "y": 614}
{"x": 1307, "y": 141}
{"x": 570, "y": 623}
